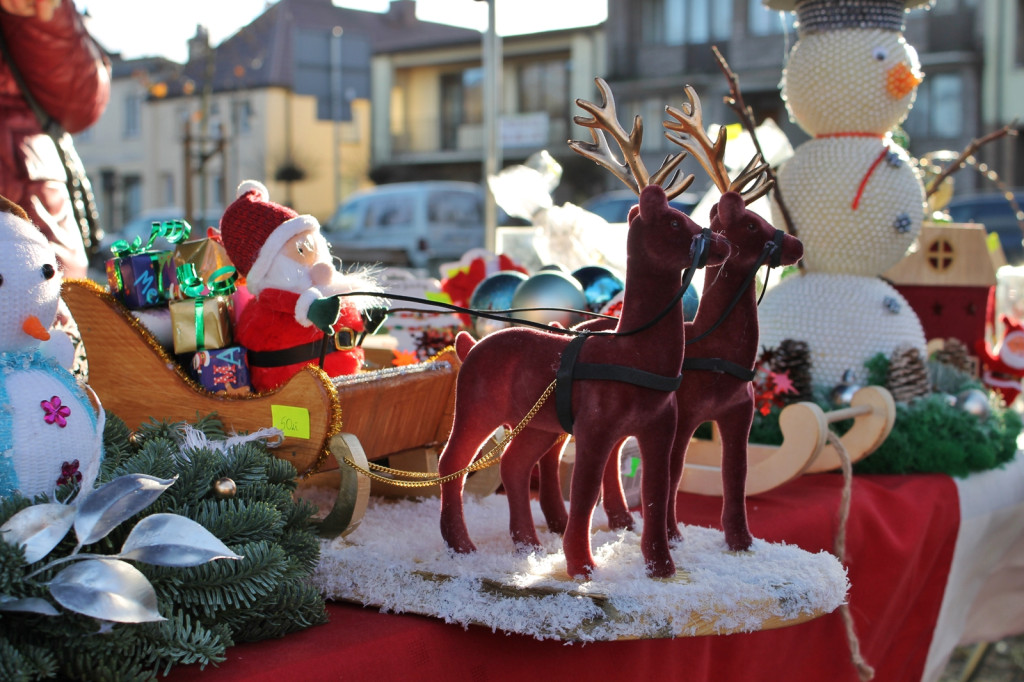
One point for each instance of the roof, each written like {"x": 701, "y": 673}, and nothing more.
{"x": 950, "y": 254}
{"x": 262, "y": 53}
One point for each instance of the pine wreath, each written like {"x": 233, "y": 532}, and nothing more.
{"x": 208, "y": 607}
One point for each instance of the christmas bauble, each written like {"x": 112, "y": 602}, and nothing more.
{"x": 553, "y": 292}
{"x": 225, "y": 488}
{"x": 600, "y": 285}
{"x": 974, "y": 401}
{"x": 691, "y": 299}
{"x": 494, "y": 292}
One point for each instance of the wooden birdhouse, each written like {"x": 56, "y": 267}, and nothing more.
{"x": 947, "y": 279}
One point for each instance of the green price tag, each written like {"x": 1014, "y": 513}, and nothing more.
{"x": 634, "y": 465}
{"x": 293, "y": 421}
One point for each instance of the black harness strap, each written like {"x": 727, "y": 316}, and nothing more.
{"x": 719, "y": 365}
{"x": 569, "y": 370}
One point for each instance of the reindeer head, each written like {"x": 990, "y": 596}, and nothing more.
{"x": 659, "y": 234}
{"x": 746, "y": 231}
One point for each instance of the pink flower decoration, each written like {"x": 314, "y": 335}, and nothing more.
{"x": 55, "y": 412}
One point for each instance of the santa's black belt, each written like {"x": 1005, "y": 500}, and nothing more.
{"x": 569, "y": 370}
{"x": 344, "y": 339}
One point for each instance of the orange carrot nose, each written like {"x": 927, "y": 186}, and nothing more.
{"x": 900, "y": 80}
{"x": 34, "y": 328}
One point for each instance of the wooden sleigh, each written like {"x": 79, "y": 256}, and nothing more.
{"x": 403, "y": 414}
{"x": 805, "y": 448}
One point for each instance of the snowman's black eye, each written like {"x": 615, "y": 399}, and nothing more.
{"x": 880, "y": 53}
{"x": 48, "y": 271}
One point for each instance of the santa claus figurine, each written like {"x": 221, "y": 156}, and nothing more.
{"x": 296, "y": 317}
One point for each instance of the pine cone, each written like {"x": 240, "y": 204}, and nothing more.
{"x": 955, "y": 354}
{"x": 908, "y": 375}
{"x": 794, "y": 358}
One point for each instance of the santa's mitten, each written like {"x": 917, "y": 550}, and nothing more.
{"x": 323, "y": 313}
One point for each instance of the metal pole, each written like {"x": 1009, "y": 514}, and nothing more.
{"x": 492, "y": 63}
{"x": 336, "y": 112}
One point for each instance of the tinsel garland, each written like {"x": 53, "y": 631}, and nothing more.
{"x": 208, "y": 607}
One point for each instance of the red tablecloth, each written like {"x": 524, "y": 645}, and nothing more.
{"x": 900, "y": 542}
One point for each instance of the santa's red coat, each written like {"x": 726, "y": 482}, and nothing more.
{"x": 268, "y": 323}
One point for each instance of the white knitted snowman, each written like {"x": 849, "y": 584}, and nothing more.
{"x": 50, "y": 432}
{"x": 854, "y": 197}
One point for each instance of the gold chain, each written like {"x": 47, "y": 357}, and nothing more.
{"x": 492, "y": 457}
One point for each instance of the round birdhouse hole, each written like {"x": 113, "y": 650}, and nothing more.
{"x": 940, "y": 255}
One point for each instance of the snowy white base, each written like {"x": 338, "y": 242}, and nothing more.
{"x": 845, "y": 320}
{"x": 396, "y": 560}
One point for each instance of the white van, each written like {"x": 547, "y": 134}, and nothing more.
{"x": 417, "y": 224}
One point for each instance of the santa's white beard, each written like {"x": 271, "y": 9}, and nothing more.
{"x": 290, "y": 275}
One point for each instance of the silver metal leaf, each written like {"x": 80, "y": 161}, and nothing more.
{"x": 107, "y": 589}
{"x": 173, "y": 540}
{"x": 111, "y": 504}
{"x": 28, "y": 605}
{"x": 38, "y": 528}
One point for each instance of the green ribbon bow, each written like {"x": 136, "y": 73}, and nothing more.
{"x": 174, "y": 231}
{"x": 221, "y": 282}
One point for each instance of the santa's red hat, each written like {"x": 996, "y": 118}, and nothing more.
{"x": 254, "y": 229}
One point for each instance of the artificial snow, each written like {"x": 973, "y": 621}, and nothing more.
{"x": 396, "y": 560}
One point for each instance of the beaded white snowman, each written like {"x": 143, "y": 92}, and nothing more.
{"x": 50, "y": 433}
{"x": 856, "y": 200}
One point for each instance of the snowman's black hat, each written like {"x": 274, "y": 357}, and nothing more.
{"x": 814, "y": 16}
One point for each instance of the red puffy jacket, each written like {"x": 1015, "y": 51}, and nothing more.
{"x": 70, "y": 79}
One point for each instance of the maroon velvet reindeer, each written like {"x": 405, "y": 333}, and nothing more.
{"x": 722, "y": 340}
{"x": 505, "y": 375}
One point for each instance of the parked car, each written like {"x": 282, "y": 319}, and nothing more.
{"x": 417, "y": 224}
{"x": 997, "y": 214}
{"x": 614, "y": 206}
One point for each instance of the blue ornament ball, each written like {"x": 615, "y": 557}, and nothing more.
{"x": 494, "y": 292}
{"x": 550, "y": 289}
{"x": 600, "y": 285}
{"x": 690, "y": 301}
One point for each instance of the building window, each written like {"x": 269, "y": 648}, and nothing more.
{"x": 762, "y": 21}
{"x": 544, "y": 86}
{"x": 462, "y": 103}
{"x": 678, "y": 22}
{"x": 132, "y": 116}
{"x": 132, "y": 198}
{"x": 167, "y": 188}
{"x": 241, "y": 116}
{"x": 939, "y": 108}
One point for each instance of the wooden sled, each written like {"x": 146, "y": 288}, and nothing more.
{"x": 805, "y": 447}
{"x": 368, "y": 416}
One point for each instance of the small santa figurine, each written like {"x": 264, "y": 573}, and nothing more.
{"x": 295, "y": 317}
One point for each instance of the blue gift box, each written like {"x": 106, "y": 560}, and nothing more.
{"x": 142, "y": 280}
{"x": 224, "y": 369}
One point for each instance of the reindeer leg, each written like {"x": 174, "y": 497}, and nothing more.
{"x": 592, "y": 450}
{"x": 516, "y": 467}
{"x": 735, "y": 429}
{"x": 655, "y": 450}
{"x": 468, "y": 434}
{"x": 612, "y": 496}
{"x": 684, "y": 433}
{"x": 551, "y": 501}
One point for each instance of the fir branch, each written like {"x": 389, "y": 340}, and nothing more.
{"x": 238, "y": 521}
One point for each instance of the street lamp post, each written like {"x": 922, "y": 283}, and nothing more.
{"x": 492, "y": 62}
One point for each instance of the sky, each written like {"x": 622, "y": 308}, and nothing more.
{"x": 138, "y": 28}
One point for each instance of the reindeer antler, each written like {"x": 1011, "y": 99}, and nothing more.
{"x": 688, "y": 132}
{"x": 631, "y": 170}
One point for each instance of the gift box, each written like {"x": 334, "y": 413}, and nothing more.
{"x": 201, "y": 323}
{"x": 222, "y": 370}
{"x": 142, "y": 280}
{"x": 206, "y": 256}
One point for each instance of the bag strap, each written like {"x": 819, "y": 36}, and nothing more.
{"x": 83, "y": 202}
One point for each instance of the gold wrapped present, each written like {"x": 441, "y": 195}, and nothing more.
{"x": 201, "y": 323}
{"x": 205, "y": 255}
